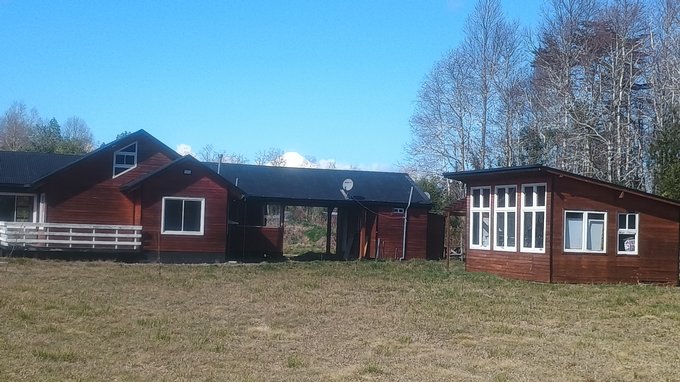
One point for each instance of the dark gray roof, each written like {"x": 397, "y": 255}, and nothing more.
{"x": 321, "y": 186}
{"x": 20, "y": 169}
{"x": 465, "y": 176}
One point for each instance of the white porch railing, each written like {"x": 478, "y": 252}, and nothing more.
{"x": 49, "y": 236}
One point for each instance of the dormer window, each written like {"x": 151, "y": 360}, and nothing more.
{"x": 125, "y": 159}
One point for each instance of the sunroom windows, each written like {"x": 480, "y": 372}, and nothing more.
{"x": 480, "y": 233}
{"x": 506, "y": 218}
{"x": 533, "y": 217}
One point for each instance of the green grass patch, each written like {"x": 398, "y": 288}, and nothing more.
{"x": 336, "y": 321}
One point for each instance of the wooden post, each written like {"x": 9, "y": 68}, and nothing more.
{"x": 447, "y": 242}
{"x": 328, "y": 230}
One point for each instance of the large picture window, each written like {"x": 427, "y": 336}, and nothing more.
{"x": 17, "y": 208}
{"x": 480, "y": 209}
{"x": 125, "y": 159}
{"x": 506, "y": 218}
{"x": 183, "y": 216}
{"x": 533, "y": 217}
{"x": 628, "y": 234}
{"x": 585, "y": 231}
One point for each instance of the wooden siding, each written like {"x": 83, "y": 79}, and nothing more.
{"x": 658, "y": 230}
{"x": 86, "y": 193}
{"x": 435, "y": 236}
{"x": 258, "y": 241}
{"x": 390, "y": 230}
{"x": 199, "y": 184}
{"x": 512, "y": 264}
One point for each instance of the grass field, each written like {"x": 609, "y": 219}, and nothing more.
{"x": 331, "y": 321}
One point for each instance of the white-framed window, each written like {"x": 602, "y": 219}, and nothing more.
{"x": 506, "y": 218}
{"x": 480, "y": 209}
{"x": 182, "y": 216}
{"x": 18, "y": 207}
{"x": 533, "y": 217}
{"x": 125, "y": 159}
{"x": 627, "y": 236}
{"x": 585, "y": 231}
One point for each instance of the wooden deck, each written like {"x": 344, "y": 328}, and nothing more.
{"x": 56, "y": 236}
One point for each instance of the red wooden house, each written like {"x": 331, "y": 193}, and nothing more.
{"x": 137, "y": 199}
{"x": 543, "y": 224}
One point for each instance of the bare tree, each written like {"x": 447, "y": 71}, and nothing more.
{"x": 271, "y": 157}
{"x": 469, "y": 106}
{"x": 209, "y": 154}
{"x": 15, "y": 127}
{"x": 77, "y": 135}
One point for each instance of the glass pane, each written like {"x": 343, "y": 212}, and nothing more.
{"x": 24, "y": 211}
{"x": 573, "y": 231}
{"x": 485, "y": 229}
{"x": 485, "y": 200}
{"x": 632, "y": 221}
{"x": 192, "y": 215}
{"x": 540, "y": 196}
{"x": 120, "y": 159}
{"x": 622, "y": 221}
{"x": 511, "y": 229}
{"x": 528, "y": 196}
{"x": 475, "y": 198}
{"x": 7, "y": 208}
{"x": 595, "y": 216}
{"x": 475, "y": 228}
{"x": 500, "y": 197}
{"x": 130, "y": 149}
{"x": 173, "y": 215}
{"x": 595, "y": 235}
{"x": 540, "y": 221}
{"x": 130, "y": 159}
{"x": 500, "y": 229}
{"x": 626, "y": 242}
{"x": 512, "y": 196}
{"x": 528, "y": 229}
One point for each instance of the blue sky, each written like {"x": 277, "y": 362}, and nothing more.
{"x": 331, "y": 80}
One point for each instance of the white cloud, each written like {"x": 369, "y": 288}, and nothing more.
{"x": 295, "y": 159}
{"x": 183, "y": 149}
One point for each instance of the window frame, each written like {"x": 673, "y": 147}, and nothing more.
{"x": 534, "y": 210}
{"x": 504, "y": 210}
{"x": 636, "y": 233}
{"x": 584, "y": 233}
{"x": 124, "y": 166}
{"x": 182, "y": 232}
{"x": 34, "y": 212}
{"x": 481, "y": 210}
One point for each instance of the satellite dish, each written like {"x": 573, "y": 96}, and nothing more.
{"x": 428, "y": 195}
{"x": 347, "y": 184}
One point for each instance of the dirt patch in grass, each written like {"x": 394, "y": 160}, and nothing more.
{"x": 336, "y": 321}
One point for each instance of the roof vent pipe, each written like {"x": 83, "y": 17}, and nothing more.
{"x": 219, "y": 164}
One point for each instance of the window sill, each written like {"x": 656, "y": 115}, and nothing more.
{"x": 181, "y": 233}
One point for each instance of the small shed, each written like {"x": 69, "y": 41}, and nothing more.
{"x": 544, "y": 224}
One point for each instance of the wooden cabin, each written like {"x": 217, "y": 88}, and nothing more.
{"x": 137, "y": 199}
{"x": 133, "y": 199}
{"x": 543, "y": 224}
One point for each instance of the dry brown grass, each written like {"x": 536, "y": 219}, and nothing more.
{"x": 360, "y": 321}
